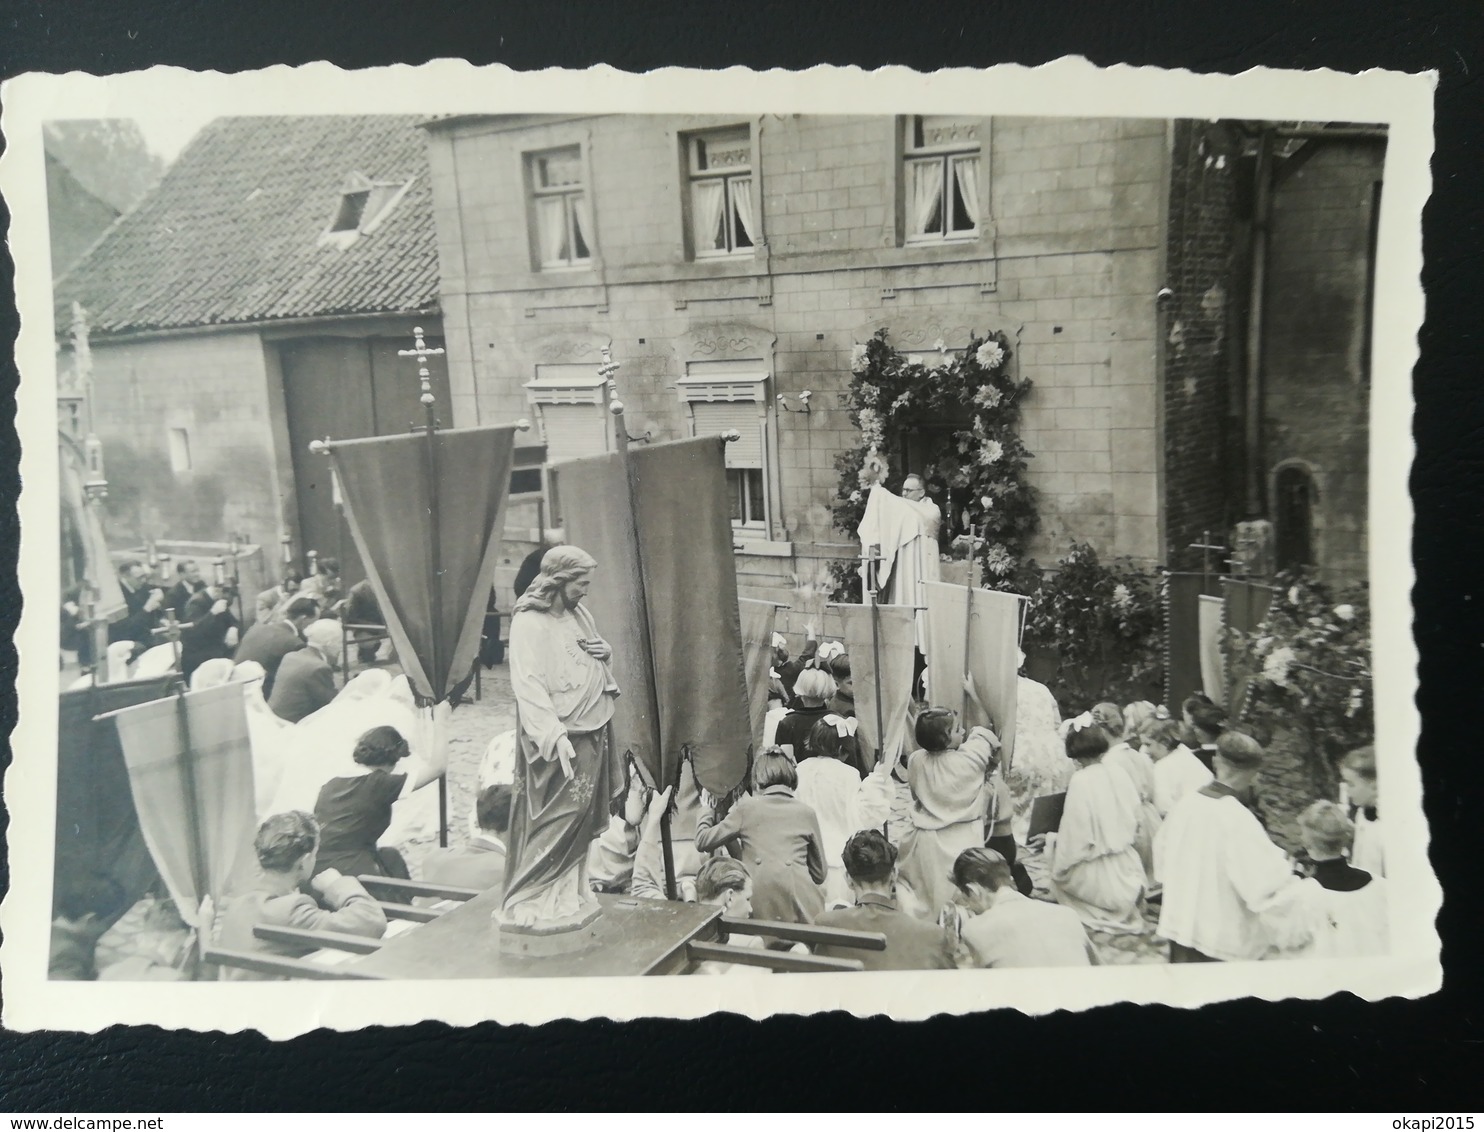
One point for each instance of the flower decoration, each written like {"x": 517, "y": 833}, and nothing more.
{"x": 1275, "y": 668}
{"x": 893, "y": 395}
{"x": 997, "y": 560}
{"x": 990, "y": 355}
{"x": 987, "y": 397}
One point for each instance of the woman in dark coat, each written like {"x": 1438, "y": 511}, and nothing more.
{"x": 777, "y": 837}
{"x": 353, "y": 812}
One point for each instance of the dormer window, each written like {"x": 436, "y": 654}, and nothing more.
{"x": 352, "y": 208}
{"x": 364, "y": 203}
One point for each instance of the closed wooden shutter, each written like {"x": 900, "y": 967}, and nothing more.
{"x": 712, "y": 417}
{"x": 573, "y": 431}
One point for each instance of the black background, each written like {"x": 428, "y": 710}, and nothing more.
{"x": 1342, "y": 1053}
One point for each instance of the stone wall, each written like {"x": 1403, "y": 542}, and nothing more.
{"x": 1316, "y": 346}
{"x": 1203, "y": 323}
{"x": 1067, "y": 263}
{"x": 214, "y": 389}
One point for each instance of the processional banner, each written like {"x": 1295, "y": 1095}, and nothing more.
{"x": 1213, "y": 664}
{"x": 1183, "y": 635}
{"x": 658, "y": 520}
{"x": 894, "y": 640}
{"x": 97, "y": 828}
{"x": 190, "y": 773}
{"x": 427, "y": 513}
{"x": 975, "y": 632}
{"x": 758, "y": 621}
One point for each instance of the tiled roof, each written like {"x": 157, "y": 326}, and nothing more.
{"x": 232, "y": 232}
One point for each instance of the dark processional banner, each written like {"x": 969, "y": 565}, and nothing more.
{"x": 427, "y": 520}
{"x": 658, "y": 520}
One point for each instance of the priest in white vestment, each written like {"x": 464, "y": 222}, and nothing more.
{"x": 1230, "y": 893}
{"x": 905, "y": 527}
{"x": 567, "y": 773}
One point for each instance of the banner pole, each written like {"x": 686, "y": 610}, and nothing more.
{"x": 438, "y": 678}
{"x": 876, "y": 674}
{"x": 963, "y": 716}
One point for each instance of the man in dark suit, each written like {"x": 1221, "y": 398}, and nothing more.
{"x": 911, "y": 944}
{"x": 188, "y": 583}
{"x": 206, "y": 631}
{"x": 306, "y": 677}
{"x": 144, "y": 606}
{"x": 269, "y": 643}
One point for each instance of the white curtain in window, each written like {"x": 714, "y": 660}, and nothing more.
{"x": 966, "y": 171}
{"x": 742, "y": 201}
{"x": 583, "y": 218}
{"x": 707, "y": 198}
{"x": 551, "y": 223}
{"x": 924, "y": 195}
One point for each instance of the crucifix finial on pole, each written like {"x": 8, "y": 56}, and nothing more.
{"x": 422, "y": 352}
{"x": 1206, "y": 546}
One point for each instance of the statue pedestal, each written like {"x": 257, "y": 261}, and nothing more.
{"x": 551, "y": 937}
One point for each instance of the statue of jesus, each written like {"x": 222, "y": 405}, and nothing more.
{"x": 566, "y": 771}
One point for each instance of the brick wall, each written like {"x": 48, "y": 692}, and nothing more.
{"x": 213, "y": 386}
{"x": 1202, "y": 328}
{"x": 1068, "y": 267}
{"x": 1314, "y": 351}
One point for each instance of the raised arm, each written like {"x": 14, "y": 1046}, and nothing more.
{"x": 712, "y": 833}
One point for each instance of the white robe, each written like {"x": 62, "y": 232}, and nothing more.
{"x": 1177, "y": 774}
{"x": 1229, "y": 892}
{"x": 907, "y": 533}
{"x": 1346, "y": 925}
{"x": 1140, "y": 771}
{"x": 844, "y": 804}
{"x": 1096, "y": 870}
{"x": 1368, "y": 852}
{"x": 1039, "y": 765}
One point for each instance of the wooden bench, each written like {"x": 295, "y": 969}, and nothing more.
{"x": 700, "y": 951}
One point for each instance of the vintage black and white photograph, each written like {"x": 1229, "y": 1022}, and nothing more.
{"x": 506, "y": 541}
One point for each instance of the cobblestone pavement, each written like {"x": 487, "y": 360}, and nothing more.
{"x": 470, "y": 728}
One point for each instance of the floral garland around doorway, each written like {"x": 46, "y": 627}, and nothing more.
{"x": 981, "y": 476}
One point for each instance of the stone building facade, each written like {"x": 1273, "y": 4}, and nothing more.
{"x": 1265, "y": 338}
{"x": 730, "y": 264}
{"x": 254, "y": 301}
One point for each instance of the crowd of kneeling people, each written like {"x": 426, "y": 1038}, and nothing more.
{"x": 1160, "y": 836}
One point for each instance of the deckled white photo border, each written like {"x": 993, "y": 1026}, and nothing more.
{"x": 1070, "y": 87}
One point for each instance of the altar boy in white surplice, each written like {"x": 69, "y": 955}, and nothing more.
{"x": 1348, "y": 913}
{"x": 1229, "y": 891}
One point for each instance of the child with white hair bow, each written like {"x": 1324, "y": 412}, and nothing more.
{"x": 845, "y": 798}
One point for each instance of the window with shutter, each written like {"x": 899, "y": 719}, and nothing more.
{"x": 728, "y": 396}
{"x": 573, "y": 431}
{"x": 744, "y": 416}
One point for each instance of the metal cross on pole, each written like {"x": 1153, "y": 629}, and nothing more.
{"x": 873, "y": 594}
{"x": 422, "y": 352}
{"x": 1205, "y": 546}
{"x": 170, "y": 630}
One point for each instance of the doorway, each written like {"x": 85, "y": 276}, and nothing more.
{"x": 344, "y": 388}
